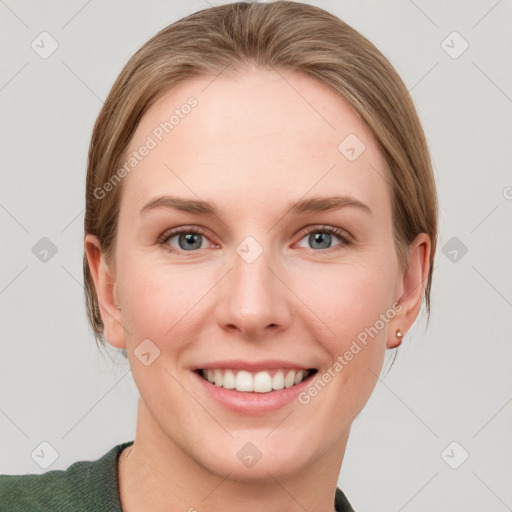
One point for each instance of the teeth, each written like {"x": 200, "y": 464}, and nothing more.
{"x": 244, "y": 381}
{"x": 299, "y": 377}
{"x": 289, "y": 380}
{"x": 258, "y": 382}
{"x": 278, "y": 381}
{"x": 229, "y": 380}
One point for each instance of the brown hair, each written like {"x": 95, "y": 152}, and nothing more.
{"x": 281, "y": 35}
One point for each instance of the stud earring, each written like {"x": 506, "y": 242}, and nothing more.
{"x": 399, "y": 333}
{"x": 118, "y": 307}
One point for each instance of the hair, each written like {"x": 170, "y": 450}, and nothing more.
{"x": 281, "y": 35}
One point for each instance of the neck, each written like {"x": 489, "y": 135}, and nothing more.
{"x": 156, "y": 474}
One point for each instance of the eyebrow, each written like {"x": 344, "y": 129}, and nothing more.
{"x": 308, "y": 205}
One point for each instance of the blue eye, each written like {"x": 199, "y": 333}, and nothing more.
{"x": 321, "y": 238}
{"x": 190, "y": 239}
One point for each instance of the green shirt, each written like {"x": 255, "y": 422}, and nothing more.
{"x": 88, "y": 486}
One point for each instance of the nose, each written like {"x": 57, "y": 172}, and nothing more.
{"x": 254, "y": 299}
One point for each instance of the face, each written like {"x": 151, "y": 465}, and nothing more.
{"x": 257, "y": 284}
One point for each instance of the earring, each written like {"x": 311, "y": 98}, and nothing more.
{"x": 398, "y": 333}
{"x": 118, "y": 307}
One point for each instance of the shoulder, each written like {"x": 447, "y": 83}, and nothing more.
{"x": 341, "y": 503}
{"x": 84, "y": 485}
{"x": 46, "y": 491}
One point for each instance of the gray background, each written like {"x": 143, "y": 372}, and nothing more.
{"x": 451, "y": 381}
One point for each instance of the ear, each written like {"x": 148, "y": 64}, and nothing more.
{"x": 412, "y": 287}
{"x": 106, "y": 291}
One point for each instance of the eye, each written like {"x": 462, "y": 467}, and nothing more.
{"x": 190, "y": 239}
{"x": 321, "y": 238}
{"x": 186, "y": 239}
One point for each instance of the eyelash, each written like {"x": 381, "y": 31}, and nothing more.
{"x": 167, "y": 235}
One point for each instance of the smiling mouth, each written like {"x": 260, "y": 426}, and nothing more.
{"x": 256, "y": 382}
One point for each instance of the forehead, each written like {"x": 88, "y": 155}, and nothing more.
{"x": 262, "y": 131}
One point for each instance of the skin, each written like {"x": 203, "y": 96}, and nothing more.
{"x": 251, "y": 146}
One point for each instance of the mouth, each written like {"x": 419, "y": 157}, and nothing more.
{"x": 266, "y": 381}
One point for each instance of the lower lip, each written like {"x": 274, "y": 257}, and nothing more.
{"x": 252, "y": 402}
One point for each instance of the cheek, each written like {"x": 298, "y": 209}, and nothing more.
{"x": 162, "y": 300}
{"x": 351, "y": 301}
{"x": 348, "y": 298}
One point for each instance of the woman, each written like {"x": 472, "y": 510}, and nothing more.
{"x": 261, "y": 224}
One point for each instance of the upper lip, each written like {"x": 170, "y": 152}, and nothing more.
{"x": 251, "y": 366}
